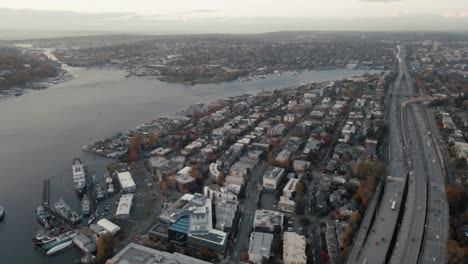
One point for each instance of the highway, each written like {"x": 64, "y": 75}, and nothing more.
{"x": 423, "y": 231}
{"x": 378, "y": 240}
{"x": 411, "y": 231}
{"x": 437, "y": 219}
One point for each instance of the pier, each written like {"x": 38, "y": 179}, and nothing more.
{"x": 45, "y": 193}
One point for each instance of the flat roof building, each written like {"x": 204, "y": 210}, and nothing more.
{"x": 181, "y": 182}
{"x": 268, "y": 221}
{"x": 272, "y": 177}
{"x": 108, "y": 226}
{"x": 226, "y": 213}
{"x": 126, "y": 181}
{"x": 294, "y": 246}
{"x": 138, "y": 254}
{"x": 260, "y": 247}
{"x": 124, "y": 207}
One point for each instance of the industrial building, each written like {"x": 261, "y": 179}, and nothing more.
{"x": 126, "y": 181}
{"x": 124, "y": 206}
{"x": 108, "y": 226}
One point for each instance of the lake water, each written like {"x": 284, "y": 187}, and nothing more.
{"x": 42, "y": 131}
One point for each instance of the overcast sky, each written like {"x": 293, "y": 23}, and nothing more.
{"x": 234, "y": 16}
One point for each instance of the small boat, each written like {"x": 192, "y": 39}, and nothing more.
{"x": 85, "y": 205}
{"x": 43, "y": 217}
{"x": 2, "y": 212}
{"x": 99, "y": 192}
{"x": 63, "y": 238}
{"x": 42, "y": 238}
{"x": 91, "y": 219}
{"x": 59, "y": 248}
{"x": 110, "y": 188}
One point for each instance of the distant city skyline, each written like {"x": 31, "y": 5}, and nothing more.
{"x": 241, "y": 16}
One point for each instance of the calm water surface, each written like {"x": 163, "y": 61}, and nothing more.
{"x": 41, "y": 132}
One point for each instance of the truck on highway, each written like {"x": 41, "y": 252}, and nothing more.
{"x": 393, "y": 205}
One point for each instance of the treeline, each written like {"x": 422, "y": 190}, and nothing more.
{"x": 457, "y": 244}
{"x": 17, "y": 68}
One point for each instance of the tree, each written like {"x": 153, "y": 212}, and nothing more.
{"x": 220, "y": 180}
{"x": 110, "y": 168}
{"x": 347, "y": 236}
{"x": 460, "y": 163}
{"x": 152, "y": 139}
{"x": 105, "y": 247}
{"x": 305, "y": 222}
{"x": 164, "y": 186}
{"x": 245, "y": 256}
{"x": 206, "y": 254}
{"x": 195, "y": 171}
{"x": 356, "y": 217}
{"x": 133, "y": 154}
{"x": 454, "y": 196}
{"x": 454, "y": 252}
{"x": 299, "y": 188}
{"x": 136, "y": 141}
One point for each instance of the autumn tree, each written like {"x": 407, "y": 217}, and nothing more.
{"x": 133, "y": 154}
{"x": 356, "y": 217}
{"x": 152, "y": 139}
{"x": 245, "y": 256}
{"x": 136, "y": 141}
{"x": 164, "y": 187}
{"x": 220, "y": 180}
{"x": 105, "y": 247}
{"x": 454, "y": 197}
{"x": 347, "y": 236}
{"x": 195, "y": 171}
{"x": 455, "y": 253}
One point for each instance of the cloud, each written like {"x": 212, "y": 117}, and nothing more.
{"x": 380, "y": 1}
{"x": 459, "y": 14}
{"x": 204, "y": 11}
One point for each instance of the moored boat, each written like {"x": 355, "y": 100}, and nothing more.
{"x": 79, "y": 179}
{"x": 66, "y": 212}
{"x": 85, "y": 205}
{"x": 62, "y": 239}
{"x": 59, "y": 248}
{"x": 2, "y": 212}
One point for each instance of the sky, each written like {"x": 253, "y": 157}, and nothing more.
{"x": 234, "y": 16}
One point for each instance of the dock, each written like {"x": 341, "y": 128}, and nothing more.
{"x": 45, "y": 193}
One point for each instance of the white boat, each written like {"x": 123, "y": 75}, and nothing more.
{"x": 79, "y": 179}
{"x": 59, "y": 248}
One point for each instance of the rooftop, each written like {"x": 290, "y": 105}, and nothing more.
{"x": 273, "y": 172}
{"x": 137, "y": 254}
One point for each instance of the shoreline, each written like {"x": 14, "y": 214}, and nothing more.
{"x": 117, "y": 141}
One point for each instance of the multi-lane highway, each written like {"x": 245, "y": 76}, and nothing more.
{"x": 414, "y": 162}
{"x": 378, "y": 239}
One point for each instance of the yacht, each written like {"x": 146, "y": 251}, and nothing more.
{"x": 78, "y": 175}
{"x": 59, "y": 243}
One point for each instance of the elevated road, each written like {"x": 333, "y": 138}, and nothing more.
{"x": 437, "y": 220}
{"x": 378, "y": 241}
